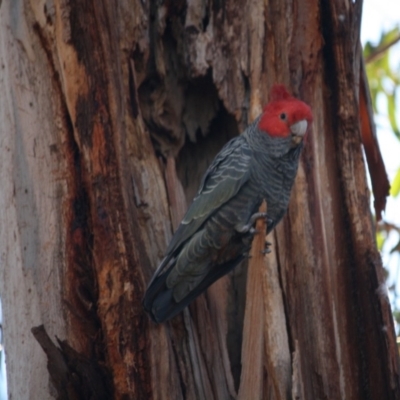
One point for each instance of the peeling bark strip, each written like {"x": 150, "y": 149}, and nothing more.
{"x": 276, "y": 336}
{"x": 376, "y": 167}
{"x": 73, "y": 375}
{"x": 107, "y": 106}
{"x": 251, "y": 380}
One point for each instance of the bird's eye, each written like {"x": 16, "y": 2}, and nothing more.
{"x": 283, "y": 116}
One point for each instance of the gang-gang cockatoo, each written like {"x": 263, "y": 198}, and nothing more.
{"x": 217, "y": 231}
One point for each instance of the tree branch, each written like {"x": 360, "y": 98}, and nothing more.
{"x": 380, "y": 51}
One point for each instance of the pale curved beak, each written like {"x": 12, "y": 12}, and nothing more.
{"x": 299, "y": 128}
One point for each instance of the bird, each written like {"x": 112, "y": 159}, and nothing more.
{"x": 216, "y": 232}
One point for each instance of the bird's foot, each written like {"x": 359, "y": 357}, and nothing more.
{"x": 258, "y": 215}
{"x": 248, "y": 228}
{"x": 267, "y": 249}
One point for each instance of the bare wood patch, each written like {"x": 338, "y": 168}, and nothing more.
{"x": 251, "y": 380}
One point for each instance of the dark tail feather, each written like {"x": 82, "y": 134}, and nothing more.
{"x": 159, "y": 302}
{"x": 156, "y": 293}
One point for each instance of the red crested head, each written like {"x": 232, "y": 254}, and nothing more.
{"x": 279, "y": 92}
{"x": 285, "y": 115}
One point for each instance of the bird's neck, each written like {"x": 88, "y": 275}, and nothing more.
{"x": 274, "y": 147}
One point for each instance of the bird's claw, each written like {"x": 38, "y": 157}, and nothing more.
{"x": 249, "y": 226}
{"x": 261, "y": 215}
{"x": 256, "y": 216}
{"x": 267, "y": 249}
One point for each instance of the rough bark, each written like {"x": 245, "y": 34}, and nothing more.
{"x": 110, "y": 113}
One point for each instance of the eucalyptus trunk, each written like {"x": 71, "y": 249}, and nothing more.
{"x": 110, "y": 112}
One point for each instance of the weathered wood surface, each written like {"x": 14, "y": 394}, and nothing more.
{"x": 252, "y": 375}
{"x": 99, "y": 101}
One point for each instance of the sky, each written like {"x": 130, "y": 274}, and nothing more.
{"x": 378, "y": 16}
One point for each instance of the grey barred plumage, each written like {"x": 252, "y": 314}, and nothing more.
{"x": 213, "y": 236}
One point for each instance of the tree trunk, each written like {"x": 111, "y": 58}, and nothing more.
{"x": 110, "y": 113}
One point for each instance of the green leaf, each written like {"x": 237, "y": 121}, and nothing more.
{"x": 390, "y": 35}
{"x": 382, "y": 77}
{"x": 395, "y": 186}
{"x": 380, "y": 240}
{"x": 391, "y": 101}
